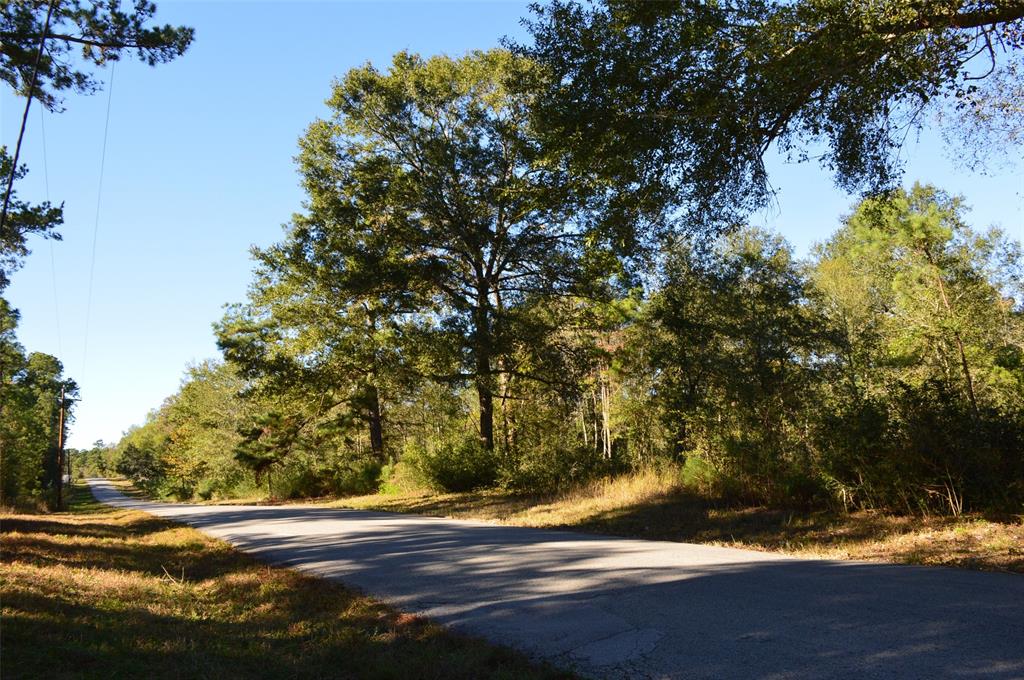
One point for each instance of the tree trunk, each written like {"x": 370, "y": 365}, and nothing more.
{"x": 483, "y": 348}
{"x": 375, "y": 423}
{"x": 583, "y": 421}
{"x": 967, "y": 374}
{"x": 964, "y": 366}
{"x": 508, "y": 424}
{"x": 3, "y": 478}
{"x": 682, "y": 436}
{"x": 486, "y": 400}
{"x": 606, "y": 433}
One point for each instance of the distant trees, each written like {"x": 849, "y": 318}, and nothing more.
{"x": 31, "y": 388}
{"x": 96, "y": 461}
{"x": 186, "y": 447}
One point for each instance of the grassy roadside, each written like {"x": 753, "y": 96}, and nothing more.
{"x": 653, "y": 506}
{"x": 98, "y": 592}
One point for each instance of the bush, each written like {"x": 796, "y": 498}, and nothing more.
{"x": 705, "y": 479}
{"x": 298, "y": 481}
{"x": 206, "y": 489}
{"x": 356, "y": 477}
{"x": 454, "y": 464}
{"x": 401, "y": 478}
{"x": 923, "y": 449}
{"x": 554, "y": 465}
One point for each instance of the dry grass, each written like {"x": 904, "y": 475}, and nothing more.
{"x": 105, "y": 593}
{"x": 653, "y": 505}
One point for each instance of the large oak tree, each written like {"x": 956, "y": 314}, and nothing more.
{"x": 448, "y": 206}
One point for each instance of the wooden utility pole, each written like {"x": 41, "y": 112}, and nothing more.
{"x": 60, "y": 453}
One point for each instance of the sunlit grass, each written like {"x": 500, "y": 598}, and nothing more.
{"x": 99, "y": 592}
{"x": 654, "y": 505}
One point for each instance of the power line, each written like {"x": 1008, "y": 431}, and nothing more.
{"x": 53, "y": 257}
{"x": 24, "y": 116}
{"x": 96, "y": 223}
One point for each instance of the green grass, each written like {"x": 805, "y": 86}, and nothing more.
{"x": 98, "y": 592}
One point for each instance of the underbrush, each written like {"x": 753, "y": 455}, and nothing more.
{"x": 673, "y": 503}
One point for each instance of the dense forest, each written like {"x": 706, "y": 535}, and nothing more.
{"x": 529, "y": 267}
{"x": 884, "y": 372}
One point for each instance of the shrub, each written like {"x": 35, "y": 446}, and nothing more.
{"x": 454, "y": 464}
{"x": 356, "y": 477}
{"x": 702, "y": 477}
{"x": 401, "y": 478}
{"x": 557, "y": 464}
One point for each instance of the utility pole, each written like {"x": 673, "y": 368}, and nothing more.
{"x": 60, "y": 453}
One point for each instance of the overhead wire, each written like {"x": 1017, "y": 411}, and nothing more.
{"x": 96, "y": 225}
{"x": 53, "y": 257}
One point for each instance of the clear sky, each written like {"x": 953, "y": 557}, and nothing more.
{"x": 199, "y": 168}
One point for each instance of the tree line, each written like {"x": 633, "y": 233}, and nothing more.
{"x": 530, "y": 266}
{"x": 457, "y": 308}
{"x": 45, "y": 50}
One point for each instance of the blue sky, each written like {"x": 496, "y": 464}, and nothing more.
{"x": 199, "y": 168}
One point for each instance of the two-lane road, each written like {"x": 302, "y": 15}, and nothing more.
{"x": 614, "y": 607}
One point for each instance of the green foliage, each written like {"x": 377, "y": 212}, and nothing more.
{"x": 30, "y": 417}
{"x": 268, "y": 442}
{"x": 676, "y": 103}
{"x": 926, "y": 405}
{"x": 458, "y": 464}
{"x": 142, "y": 466}
{"x": 886, "y": 372}
{"x": 458, "y": 307}
{"x": 731, "y": 344}
{"x": 98, "y": 30}
{"x": 401, "y": 478}
{"x": 22, "y": 220}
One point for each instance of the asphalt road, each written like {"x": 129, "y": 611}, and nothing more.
{"x": 614, "y": 607}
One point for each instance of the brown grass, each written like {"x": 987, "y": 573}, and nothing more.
{"x": 104, "y": 593}
{"x": 653, "y": 505}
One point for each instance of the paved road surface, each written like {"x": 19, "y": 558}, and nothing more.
{"x": 613, "y": 607}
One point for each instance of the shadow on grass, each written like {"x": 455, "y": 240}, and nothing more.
{"x": 728, "y": 614}
{"x": 690, "y": 518}
{"x": 112, "y": 594}
{"x": 682, "y": 516}
{"x": 487, "y": 505}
